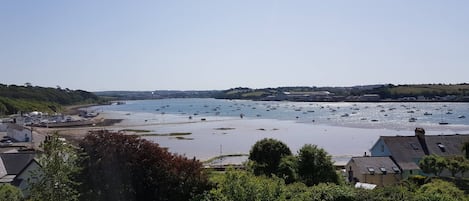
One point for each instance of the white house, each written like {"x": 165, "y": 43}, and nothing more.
{"x": 19, "y": 133}
{"x": 3, "y": 127}
{"x": 16, "y": 169}
{"x": 30, "y": 172}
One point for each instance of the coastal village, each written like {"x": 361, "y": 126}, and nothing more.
{"x": 389, "y": 161}
{"x": 396, "y": 158}
{"x": 21, "y": 137}
{"x": 392, "y": 159}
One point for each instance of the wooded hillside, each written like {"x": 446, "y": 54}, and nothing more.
{"x": 28, "y": 98}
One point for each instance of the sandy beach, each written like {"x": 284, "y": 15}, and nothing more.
{"x": 205, "y": 137}
{"x": 213, "y": 136}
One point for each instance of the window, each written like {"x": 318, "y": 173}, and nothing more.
{"x": 414, "y": 146}
{"x": 441, "y": 146}
{"x": 371, "y": 170}
{"x": 395, "y": 169}
{"x": 382, "y": 148}
{"x": 383, "y": 170}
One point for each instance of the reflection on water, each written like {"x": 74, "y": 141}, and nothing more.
{"x": 343, "y": 129}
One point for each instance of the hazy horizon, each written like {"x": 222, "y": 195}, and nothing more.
{"x": 215, "y": 45}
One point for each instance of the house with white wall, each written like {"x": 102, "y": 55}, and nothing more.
{"x": 19, "y": 133}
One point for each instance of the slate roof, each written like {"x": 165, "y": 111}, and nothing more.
{"x": 376, "y": 162}
{"x": 15, "y": 162}
{"x": 446, "y": 145}
{"x": 405, "y": 150}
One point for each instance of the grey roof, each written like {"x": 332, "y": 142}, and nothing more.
{"x": 405, "y": 150}
{"x": 450, "y": 145}
{"x": 376, "y": 162}
{"x": 17, "y": 127}
{"x": 15, "y": 162}
{"x": 3, "y": 170}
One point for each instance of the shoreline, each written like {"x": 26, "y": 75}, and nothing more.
{"x": 219, "y": 135}
{"x": 236, "y": 136}
{"x": 75, "y": 109}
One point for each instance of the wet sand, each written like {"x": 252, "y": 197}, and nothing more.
{"x": 213, "y": 136}
{"x": 228, "y": 135}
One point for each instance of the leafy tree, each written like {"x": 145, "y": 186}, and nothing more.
{"x": 267, "y": 154}
{"x": 10, "y": 193}
{"x": 287, "y": 169}
{"x": 441, "y": 164}
{"x": 55, "y": 180}
{"x": 28, "y": 98}
{"x": 332, "y": 192}
{"x": 432, "y": 164}
{"x": 454, "y": 164}
{"x": 444, "y": 190}
{"x": 315, "y": 166}
{"x": 464, "y": 167}
{"x": 243, "y": 186}
{"x": 387, "y": 193}
{"x": 465, "y": 148}
{"x": 124, "y": 167}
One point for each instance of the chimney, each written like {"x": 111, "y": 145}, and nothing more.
{"x": 420, "y": 134}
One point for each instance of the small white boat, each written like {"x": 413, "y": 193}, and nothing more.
{"x": 462, "y": 117}
{"x": 412, "y": 119}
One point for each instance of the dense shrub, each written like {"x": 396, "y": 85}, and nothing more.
{"x": 266, "y": 155}
{"x": 123, "y": 167}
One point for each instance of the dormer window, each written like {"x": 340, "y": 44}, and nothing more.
{"x": 414, "y": 146}
{"x": 383, "y": 170}
{"x": 441, "y": 146}
{"x": 371, "y": 170}
{"x": 395, "y": 169}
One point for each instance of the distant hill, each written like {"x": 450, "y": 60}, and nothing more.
{"x": 388, "y": 92}
{"x": 158, "y": 94}
{"x": 14, "y": 98}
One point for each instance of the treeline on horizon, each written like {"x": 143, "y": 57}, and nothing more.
{"x": 14, "y": 98}
{"x": 387, "y": 91}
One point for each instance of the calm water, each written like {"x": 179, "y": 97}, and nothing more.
{"x": 343, "y": 129}
{"x": 394, "y": 116}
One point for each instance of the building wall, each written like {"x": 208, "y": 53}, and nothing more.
{"x": 377, "y": 178}
{"x": 380, "y": 179}
{"x": 3, "y": 127}
{"x": 29, "y": 173}
{"x": 380, "y": 149}
{"x": 407, "y": 173}
{"x": 19, "y": 133}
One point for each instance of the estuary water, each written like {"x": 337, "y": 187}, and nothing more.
{"x": 213, "y": 127}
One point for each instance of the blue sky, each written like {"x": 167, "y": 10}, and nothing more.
{"x": 184, "y": 45}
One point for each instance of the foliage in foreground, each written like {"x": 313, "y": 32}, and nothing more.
{"x": 123, "y": 167}
{"x": 10, "y": 193}
{"x": 312, "y": 165}
{"x": 434, "y": 164}
{"x": 55, "y": 180}
{"x": 267, "y": 154}
{"x": 244, "y": 186}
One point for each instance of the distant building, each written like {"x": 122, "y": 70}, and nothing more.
{"x": 406, "y": 151}
{"x": 16, "y": 169}
{"x": 370, "y": 98}
{"x": 394, "y": 158}
{"x": 381, "y": 171}
{"x": 309, "y": 96}
{"x": 19, "y": 133}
